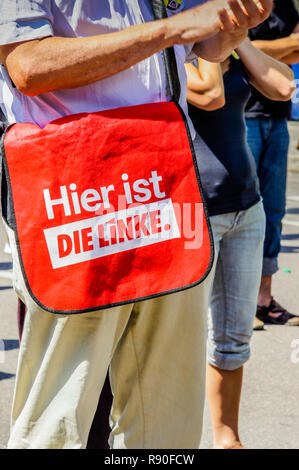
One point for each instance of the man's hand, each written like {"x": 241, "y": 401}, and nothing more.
{"x": 246, "y": 14}
{"x": 228, "y": 15}
{"x": 235, "y": 20}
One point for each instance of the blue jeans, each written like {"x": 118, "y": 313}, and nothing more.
{"x": 236, "y": 277}
{"x": 268, "y": 140}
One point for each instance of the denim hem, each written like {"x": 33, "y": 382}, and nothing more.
{"x": 228, "y": 364}
{"x": 270, "y": 266}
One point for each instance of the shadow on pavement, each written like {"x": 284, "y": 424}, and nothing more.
{"x": 289, "y": 249}
{"x": 294, "y": 210}
{"x": 10, "y": 344}
{"x": 5, "y": 376}
{"x": 290, "y": 236}
{"x": 5, "y": 266}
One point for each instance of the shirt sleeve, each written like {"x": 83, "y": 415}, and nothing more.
{"x": 24, "y": 20}
{"x": 294, "y": 15}
{"x": 190, "y": 55}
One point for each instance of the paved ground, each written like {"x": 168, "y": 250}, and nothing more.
{"x": 270, "y": 401}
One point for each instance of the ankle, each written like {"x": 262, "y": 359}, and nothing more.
{"x": 228, "y": 442}
{"x": 229, "y": 445}
{"x": 227, "y": 438}
{"x": 265, "y": 291}
{"x": 264, "y": 300}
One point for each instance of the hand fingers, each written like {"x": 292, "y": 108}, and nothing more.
{"x": 265, "y": 5}
{"x": 228, "y": 24}
{"x": 249, "y": 13}
{"x": 252, "y": 8}
{"x": 258, "y": 9}
{"x": 241, "y": 15}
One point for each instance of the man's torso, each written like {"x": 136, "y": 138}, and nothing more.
{"x": 142, "y": 83}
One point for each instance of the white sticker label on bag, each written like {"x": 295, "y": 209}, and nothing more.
{"x": 115, "y": 232}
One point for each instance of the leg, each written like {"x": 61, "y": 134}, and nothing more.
{"x": 223, "y": 386}
{"x": 63, "y": 362}
{"x": 158, "y": 374}
{"x": 257, "y": 132}
{"x": 157, "y": 357}
{"x": 256, "y": 129}
{"x": 273, "y": 175}
{"x": 265, "y": 297}
{"x": 58, "y": 383}
{"x": 272, "y": 172}
{"x": 21, "y": 316}
{"x": 233, "y": 305}
{"x": 224, "y": 393}
{"x": 100, "y": 429}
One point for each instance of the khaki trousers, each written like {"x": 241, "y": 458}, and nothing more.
{"x": 155, "y": 351}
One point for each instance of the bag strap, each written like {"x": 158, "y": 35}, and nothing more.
{"x": 3, "y": 121}
{"x": 160, "y": 13}
{"x": 5, "y": 194}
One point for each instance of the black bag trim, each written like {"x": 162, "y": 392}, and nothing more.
{"x": 160, "y": 13}
{"x": 8, "y": 211}
{"x": 6, "y": 205}
{"x": 12, "y": 225}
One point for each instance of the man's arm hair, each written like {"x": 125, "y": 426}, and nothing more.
{"x": 53, "y": 63}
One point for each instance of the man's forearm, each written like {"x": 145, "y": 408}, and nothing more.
{"x": 54, "y": 63}
{"x": 279, "y": 48}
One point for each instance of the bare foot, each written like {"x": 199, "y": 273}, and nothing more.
{"x": 229, "y": 445}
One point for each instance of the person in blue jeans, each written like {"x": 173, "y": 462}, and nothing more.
{"x": 268, "y": 138}
{"x": 231, "y": 190}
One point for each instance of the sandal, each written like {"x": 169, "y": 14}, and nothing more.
{"x": 275, "y": 314}
{"x": 258, "y": 324}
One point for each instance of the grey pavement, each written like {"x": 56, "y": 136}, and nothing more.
{"x": 269, "y": 416}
